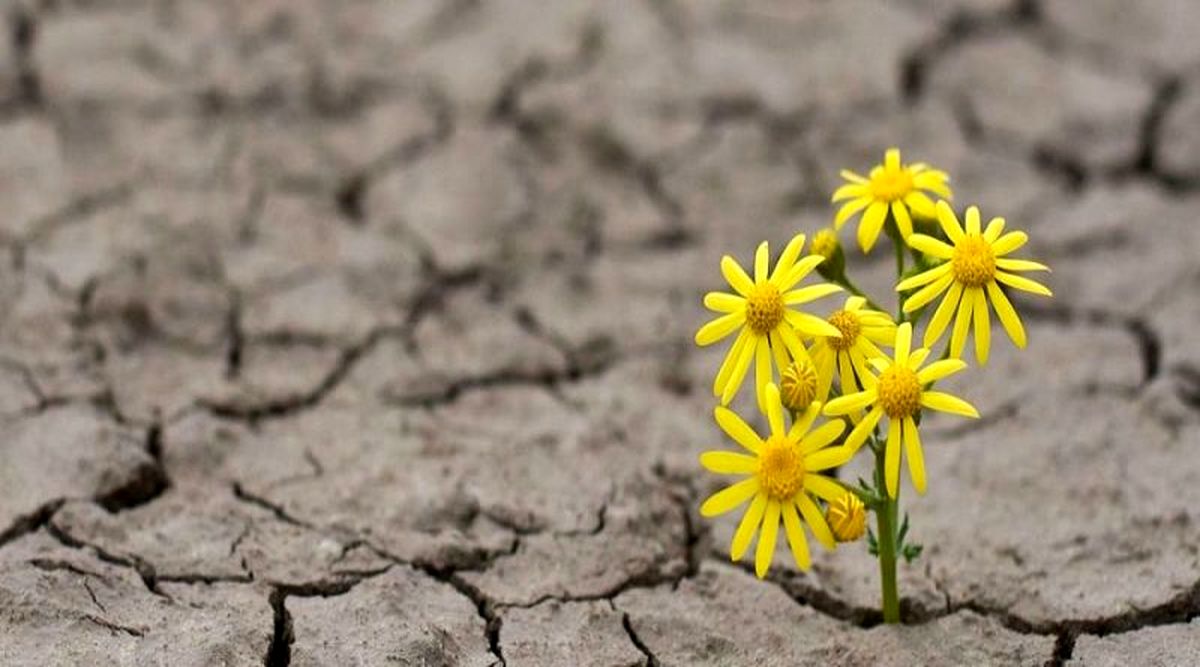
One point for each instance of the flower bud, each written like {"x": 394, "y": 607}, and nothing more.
{"x": 798, "y": 387}
{"x": 847, "y": 517}
{"x": 825, "y": 243}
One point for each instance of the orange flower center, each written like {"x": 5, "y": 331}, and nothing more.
{"x": 764, "y": 308}
{"x": 780, "y": 468}
{"x": 849, "y": 325}
{"x": 890, "y": 186}
{"x": 974, "y": 262}
{"x": 899, "y": 392}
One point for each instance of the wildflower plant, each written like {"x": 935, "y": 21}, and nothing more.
{"x": 844, "y": 391}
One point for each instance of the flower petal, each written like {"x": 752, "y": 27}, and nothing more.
{"x": 917, "y": 357}
{"x": 779, "y": 351}
{"x": 762, "y": 260}
{"x": 738, "y": 372}
{"x": 891, "y": 160}
{"x": 737, "y": 429}
{"x": 830, "y": 457}
{"x": 809, "y": 293}
{"x": 724, "y": 302}
{"x": 871, "y": 223}
{"x": 736, "y": 276}
{"x": 865, "y": 427}
{"x": 719, "y": 328}
{"x": 903, "y": 342}
{"x": 797, "y": 273}
{"x": 731, "y": 360}
{"x": 823, "y": 487}
{"x": 994, "y": 228}
{"x": 1020, "y": 265}
{"x": 729, "y": 463}
{"x": 940, "y": 369}
{"x": 1010, "y": 242}
{"x": 922, "y": 205}
{"x": 941, "y": 317}
{"x": 762, "y": 371}
{"x": 795, "y": 536}
{"x": 811, "y": 325}
{"x": 903, "y": 221}
{"x": 729, "y": 497}
{"x": 916, "y": 458}
{"x": 745, "y": 530}
{"x": 816, "y": 521}
{"x": 929, "y": 292}
{"x": 1008, "y": 315}
{"x": 943, "y": 402}
{"x": 774, "y": 410}
{"x": 848, "y": 210}
{"x": 931, "y": 246}
{"x": 949, "y": 223}
{"x": 852, "y": 176}
{"x": 850, "y": 191}
{"x": 983, "y": 326}
{"x": 1022, "y": 283}
{"x": 923, "y": 278}
{"x": 804, "y": 421}
{"x": 891, "y": 458}
{"x": 788, "y": 259}
{"x": 849, "y": 403}
{"x": 793, "y": 344}
{"x": 765, "y": 550}
{"x": 962, "y": 323}
{"x": 972, "y": 220}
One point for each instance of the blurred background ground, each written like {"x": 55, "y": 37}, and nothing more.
{"x": 359, "y": 332}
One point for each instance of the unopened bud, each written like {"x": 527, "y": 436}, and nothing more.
{"x": 847, "y": 517}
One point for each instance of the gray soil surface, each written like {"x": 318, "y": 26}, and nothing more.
{"x": 359, "y": 332}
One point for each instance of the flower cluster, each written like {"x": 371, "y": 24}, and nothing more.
{"x": 832, "y": 375}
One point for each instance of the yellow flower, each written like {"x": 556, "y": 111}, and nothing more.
{"x": 899, "y": 393}
{"x": 847, "y": 517}
{"x": 782, "y": 471}
{"x": 770, "y": 330}
{"x": 848, "y": 355}
{"x": 890, "y": 186}
{"x": 971, "y": 274}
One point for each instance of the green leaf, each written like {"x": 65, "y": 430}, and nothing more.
{"x": 872, "y": 543}
{"x": 911, "y": 552}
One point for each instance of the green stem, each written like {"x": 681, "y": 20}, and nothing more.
{"x": 886, "y": 539}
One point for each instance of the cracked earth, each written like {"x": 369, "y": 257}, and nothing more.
{"x": 359, "y": 333}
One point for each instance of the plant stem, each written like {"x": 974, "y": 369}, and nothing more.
{"x": 886, "y": 522}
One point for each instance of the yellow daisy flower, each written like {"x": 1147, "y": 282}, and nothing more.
{"x": 770, "y": 330}
{"x": 975, "y": 265}
{"x": 899, "y": 393}
{"x": 782, "y": 472}
{"x": 890, "y": 186}
{"x": 847, "y": 517}
{"x": 846, "y": 356}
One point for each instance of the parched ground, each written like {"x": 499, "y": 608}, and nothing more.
{"x": 359, "y": 332}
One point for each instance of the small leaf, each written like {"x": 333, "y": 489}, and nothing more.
{"x": 872, "y": 544}
{"x": 911, "y": 552}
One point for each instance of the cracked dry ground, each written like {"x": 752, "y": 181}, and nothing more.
{"x": 341, "y": 333}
